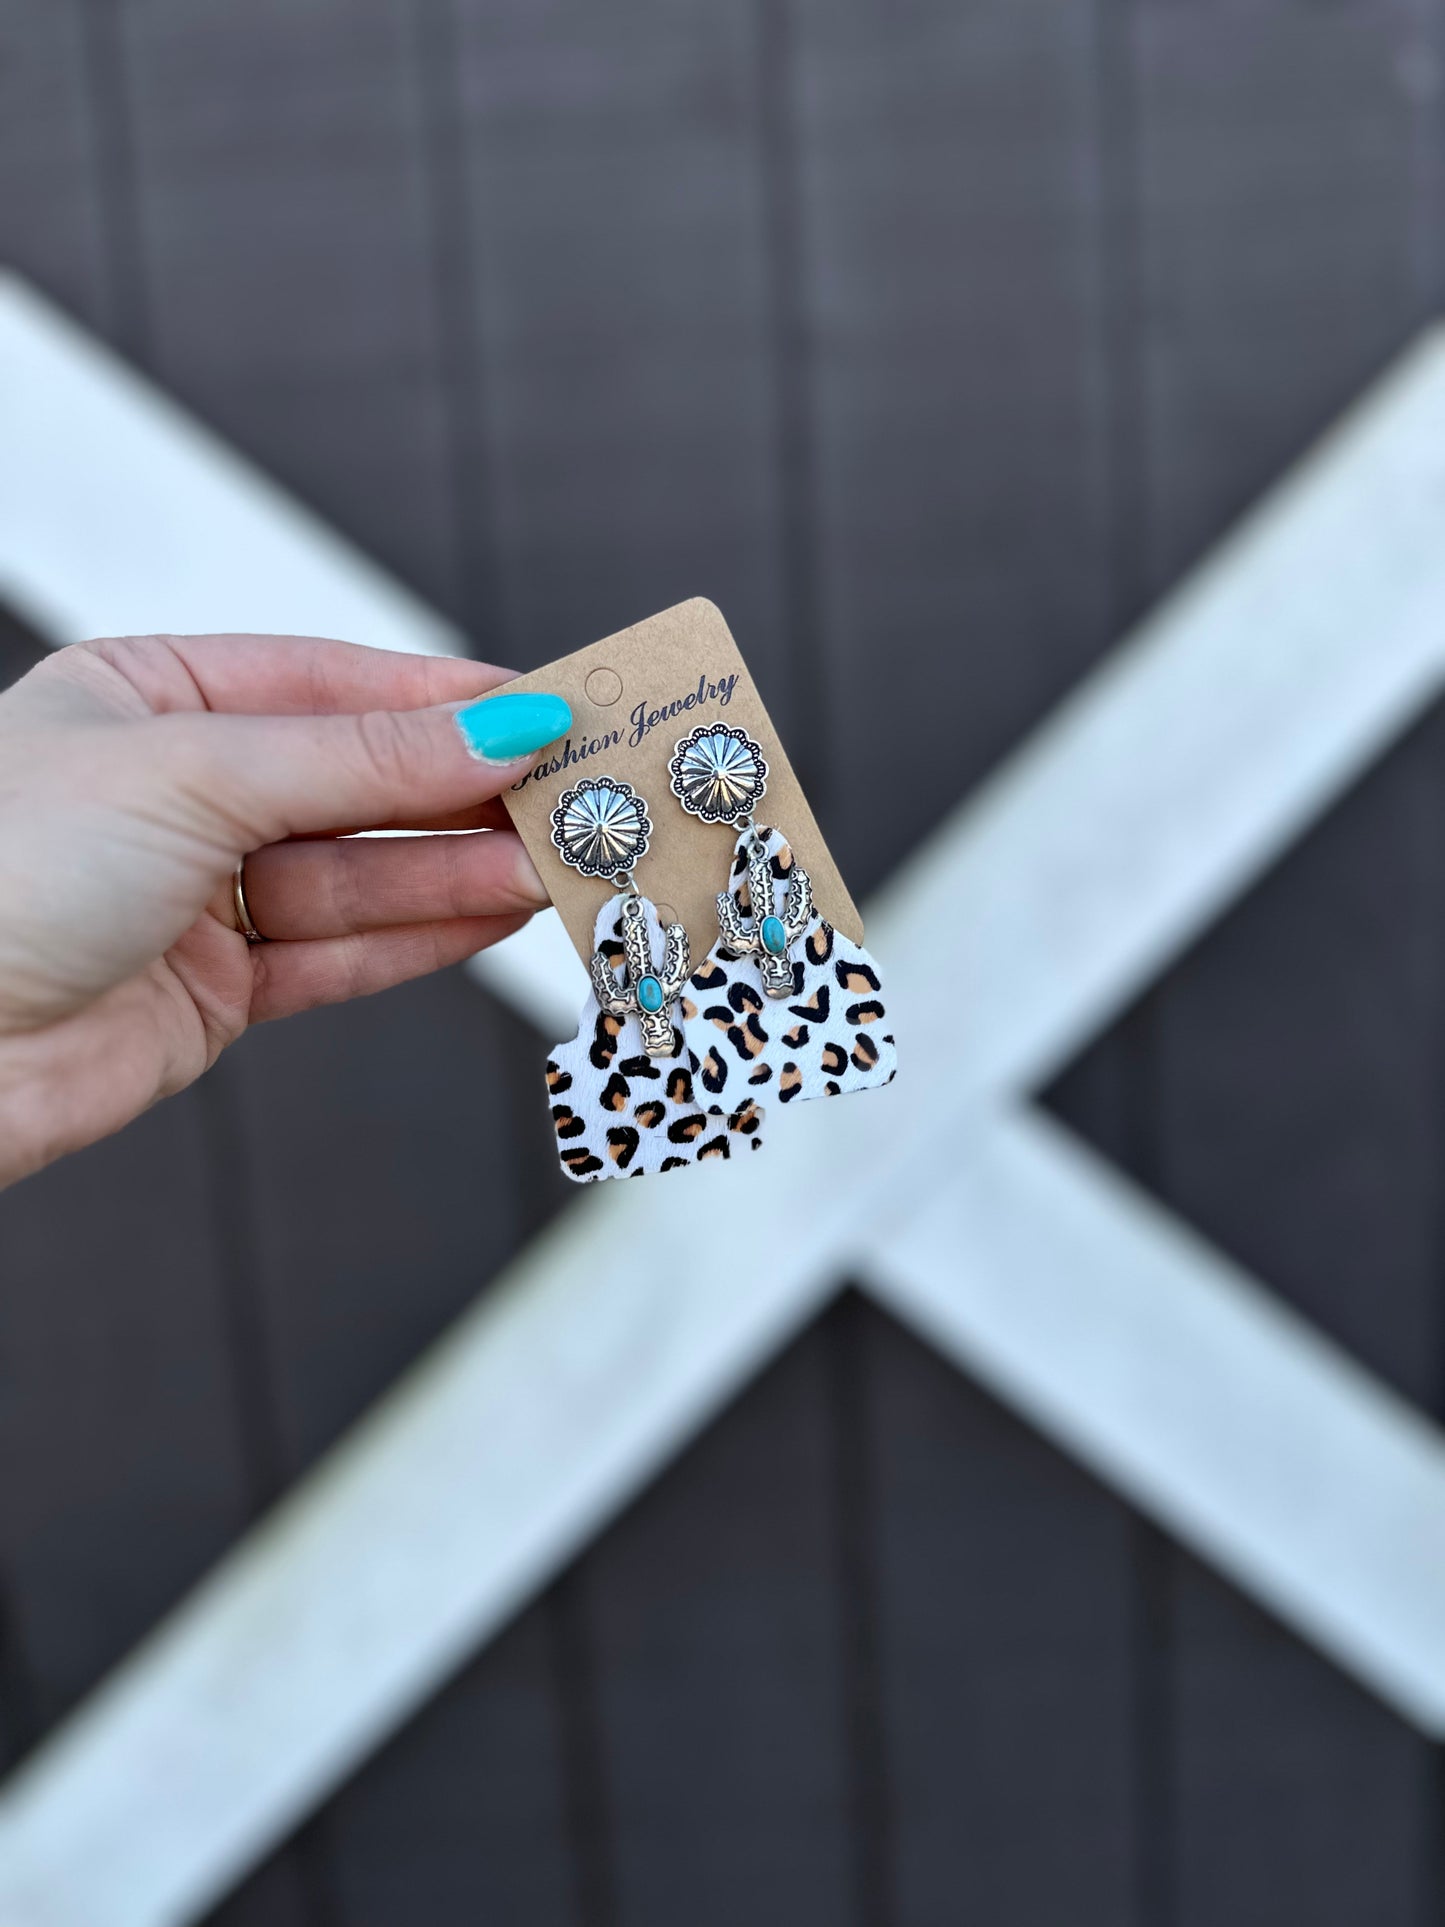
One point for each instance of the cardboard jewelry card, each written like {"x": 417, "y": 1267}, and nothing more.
{"x": 633, "y": 695}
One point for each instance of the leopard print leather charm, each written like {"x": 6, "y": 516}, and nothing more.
{"x": 621, "y": 1109}
{"x": 831, "y": 1035}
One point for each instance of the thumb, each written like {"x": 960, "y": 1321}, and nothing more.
{"x": 257, "y": 779}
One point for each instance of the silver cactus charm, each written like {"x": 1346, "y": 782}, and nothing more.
{"x": 645, "y": 993}
{"x": 769, "y": 937}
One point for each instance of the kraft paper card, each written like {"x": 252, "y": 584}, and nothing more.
{"x": 633, "y": 695}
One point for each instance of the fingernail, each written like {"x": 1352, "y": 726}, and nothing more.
{"x": 530, "y": 886}
{"x": 499, "y": 729}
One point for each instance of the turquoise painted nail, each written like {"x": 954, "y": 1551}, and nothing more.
{"x": 499, "y": 729}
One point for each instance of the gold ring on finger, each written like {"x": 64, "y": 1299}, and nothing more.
{"x": 244, "y": 921}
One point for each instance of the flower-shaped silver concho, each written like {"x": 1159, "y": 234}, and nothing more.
{"x": 602, "y": 827}
{"x": 718, "y": 773}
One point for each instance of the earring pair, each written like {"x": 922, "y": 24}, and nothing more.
{"x": 783, "y": 1005}
{"x": 602, "y": 829}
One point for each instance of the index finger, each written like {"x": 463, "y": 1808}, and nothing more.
{"x": 319, "y": 676}
{"x": 242, "y": 781}
{"x": 490, "y": 815}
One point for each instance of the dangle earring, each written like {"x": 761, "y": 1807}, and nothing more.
{"x": 617, "y": 1111}
{"x": 718, "y": 774}
{"x": 819, "y": 1028}
{"x": 602, "y": 829}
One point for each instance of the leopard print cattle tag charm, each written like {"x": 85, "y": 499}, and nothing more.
{"x": 824, "y": 1033}
{"x": 624, "y": 1104}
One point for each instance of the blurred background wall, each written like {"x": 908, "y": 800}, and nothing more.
{"x": 933, "y": 340}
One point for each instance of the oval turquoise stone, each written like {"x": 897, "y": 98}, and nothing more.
{"x": 775, "y": 938}
{"x": 649, "y": 994}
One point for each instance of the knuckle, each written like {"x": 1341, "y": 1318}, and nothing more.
{"x": 347, "y": 890}
{"x": 355, "y": 974}
{"x": 388, "y": 749}
{"x": 459, "y": 889}
{"x": 262, "y": 989}
{"x": 154, "y": 667}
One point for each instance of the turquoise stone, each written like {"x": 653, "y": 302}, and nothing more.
{"x": 775, "y": 938}
{"x": 649, "y": 994}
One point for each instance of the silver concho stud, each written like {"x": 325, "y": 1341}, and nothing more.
{"x": 718, "y": 773}
{"x": 602, "y": 827}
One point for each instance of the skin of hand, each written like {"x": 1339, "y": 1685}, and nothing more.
{"x": 134, "y": 773}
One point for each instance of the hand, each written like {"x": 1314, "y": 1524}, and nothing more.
{"x": 134, "y": 774}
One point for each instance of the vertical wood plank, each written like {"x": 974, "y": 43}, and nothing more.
{"x": 1277, "y": 181}
{"x": 1298, "y": 1085}
{"x": 288, "y": 258}
{"x": 1004, "y": 1626}
{"x": 277, "y": 1894}
{"x": 949, "y": 205}
{"x": 118, "y": 1403}
{"x": 624, "y": 316}
{"x": 1299, "y": 1127}
{"x": 50, "y": 227}
{"x": 713, "y": 1649}
{"x": 950, "y": 188}
{"x": 1299, "y": 1797}
{"x": 460, "y": 1819}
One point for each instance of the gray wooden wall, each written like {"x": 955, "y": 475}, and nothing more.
{"x": 932, "y": 338}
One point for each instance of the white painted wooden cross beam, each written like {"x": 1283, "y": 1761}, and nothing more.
{"x": 1133, "y": 819}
